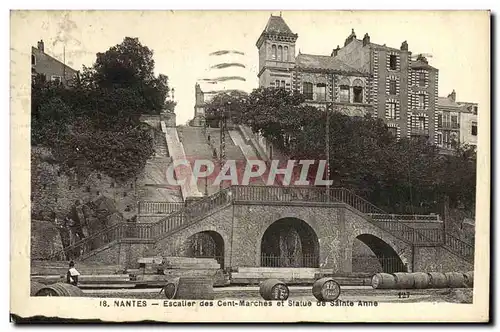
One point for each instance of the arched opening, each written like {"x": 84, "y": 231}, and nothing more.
{"x": 371, "y": 254}
{"x": 289, "y": 242}
{"x": 357, "y": 90}
{"x": 206, "y": 244}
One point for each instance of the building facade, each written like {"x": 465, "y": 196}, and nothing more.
{"x": 456, "y": 122}
{"x": 361, "y": 77}
{"x": 53, "y": 69}
{"x": 322, "y": 79}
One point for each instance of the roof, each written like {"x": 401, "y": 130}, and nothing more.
{"x": 34, "y": 49}
{"x": 276, "y": 24}
{"x": 421, "y": 64}
{"x": 323, "y": 62}
{"x": 459, "y": 106}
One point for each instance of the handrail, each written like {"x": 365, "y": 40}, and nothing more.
{"x": 201, "y": 207}
{"x": 458, "y": 246}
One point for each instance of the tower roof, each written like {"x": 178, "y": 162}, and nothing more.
{"x": 276, "y": 24}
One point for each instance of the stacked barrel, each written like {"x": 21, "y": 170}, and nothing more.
{"x": 422, "y": 280}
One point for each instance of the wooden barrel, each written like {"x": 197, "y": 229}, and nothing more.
{"x": 404, "y": 280}
{"x": 35, "y": 287}
{"x": 326, "y": 289}
{"x": 455, "y": 279}
{"x": 421, "y": 279}
{"x": 59, "y": 289}
{"x": 437, "y": 280}
{"x": 383, "y": 281}
{"x": 170, "y": 290}
{"x": 195, "y": 288}
{"x": 469, "y": 279}
{"x": 273, "y": 289}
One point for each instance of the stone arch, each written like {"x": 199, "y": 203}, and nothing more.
{"x": 289, "y": 242}
{"x": 359, "y": 83}
{"x": 206, "y": 244}
{"x": 385, "y": 257}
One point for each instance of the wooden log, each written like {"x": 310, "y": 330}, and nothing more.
{"x": 437, "y": 280}
{"x": 326, "y": 289}
{"x": 60, "y": 289}
{"x": 274, "y": 289}
{"x": 421, "y": 280}
{"x": 383, "y": 281}
{"x": 195, "y": 288}
{"x": 404, "y": 280}
{"x": 469, "y": 279}
{"x": 455, "y": 279}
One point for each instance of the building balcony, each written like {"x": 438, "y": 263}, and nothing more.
{"x": 419, "y": 131}
{"x": 449, "y": 125}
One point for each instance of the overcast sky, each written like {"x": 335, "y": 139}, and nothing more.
{"x": 181, "y": 41}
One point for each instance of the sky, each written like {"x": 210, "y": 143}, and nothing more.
{"x": 182, "y": 41}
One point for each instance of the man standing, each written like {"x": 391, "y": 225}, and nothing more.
{"x": 72, "y": 274}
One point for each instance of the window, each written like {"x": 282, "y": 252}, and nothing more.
{"x": 454, "y": 121}
{"x": 282, "y": 84}
{"x": 392, "y": 87}
{"x": 421, "y": 102}
{"x": 440, "y": 120}
{"x": 321, "y": 91}
{"x": 285, "y": 53}
{"x": 33, "y": 59}
{"x": 421, "y": 123}
{"x": 308, "y": 90}
{"x": 475, "y": 110}
{"x": 474, "y": 128}
{"x": 280, "y": 53}
{"x": 392, "y": 62}
{"x": 421, "y": 79}
{"x": 344, "y": 94}
{"x": 273, "y": 52}
{"x": 439, "y": 138}
{"x": 392, "y": 111}
{"x": 56, "y": 78}
{"x": 393, "y": 131}
{"x": 277, "y": 84}
{"x": 358, "y": 94}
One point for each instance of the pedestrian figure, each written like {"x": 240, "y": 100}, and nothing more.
{"x": 72, "y": 274}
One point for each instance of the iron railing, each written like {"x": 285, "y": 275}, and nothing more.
{"x": 200, "y": 208}
{"x": 458, "y": 246}
{"x": 289, "y": 261}
{"x": 378, "y": 264}
{"x": 150, "y": 207}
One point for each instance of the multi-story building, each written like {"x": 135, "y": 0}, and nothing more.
{"x": 53, "y": 69}
{"x": 322, "y": 79}
{"x": 358, "y": 78}
{"x": 456, "y": 122}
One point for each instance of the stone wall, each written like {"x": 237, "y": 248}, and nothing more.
{"x": 438, "y": 259}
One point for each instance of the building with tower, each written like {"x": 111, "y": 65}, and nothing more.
{"x": 360, "y": 77}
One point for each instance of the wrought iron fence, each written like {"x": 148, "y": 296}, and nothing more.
{"x": 289, "y": 261}
{"x": 378, "y": 264}
{"x": 463, "y": 249}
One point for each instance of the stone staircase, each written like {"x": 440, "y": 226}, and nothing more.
{"x": 196, "y": 211}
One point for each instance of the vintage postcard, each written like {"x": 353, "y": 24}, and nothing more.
{"x": 250, "y": 166}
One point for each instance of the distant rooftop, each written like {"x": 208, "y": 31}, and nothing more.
{"x": 322, "y": 62}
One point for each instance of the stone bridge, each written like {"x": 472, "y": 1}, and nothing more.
{"x": 245, "y": 226}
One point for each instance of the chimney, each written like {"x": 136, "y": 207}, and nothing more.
{"x": 366, "y": 39}
{"x": 453, "y": 95}
{"x": 335, "y": 51}
{"x": 41, "y": 46}
{"x": 351, "y": 37}
{"x": 404, "y": 46}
